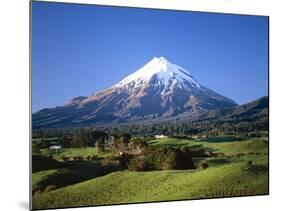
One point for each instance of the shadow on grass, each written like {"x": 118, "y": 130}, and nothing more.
{"x": 221, "y": 139}
{"x": 168, "y": 144}
{"x": 210, "y": 161}
{"x": 73, "y": 172}
{"x": 42, "y": 163}
{"x": 199, "y": 146}
{"x": 256, "y": 169}
{"x": 218, "y": 161}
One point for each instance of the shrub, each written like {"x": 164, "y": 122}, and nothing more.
{"x": 219, "y": 155}
{"x": 204, "y": 165}
{"x": 249, "y": 162}
{"x": 88, "y": 158}
{"x": 80, "y": 158}
{"x": 94, "y": 157}
{"x": 249, "y": 165}
{"x": 65, "y": 159}
{"x": 240, "y": 155}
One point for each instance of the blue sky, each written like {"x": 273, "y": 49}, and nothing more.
{"x": 79, "y": 49}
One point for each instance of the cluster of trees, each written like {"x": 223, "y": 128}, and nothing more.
{"x": 208, "y": 127}
{"x": 82, "y": 138}
{"x": 132, "y": 153}
{"x": 119, "y": 138}
{"x": 148, "y": 158}
{"x": 88, "y": 136}
{"x": 139, "y": 156}
{"x": 70, "y": 138}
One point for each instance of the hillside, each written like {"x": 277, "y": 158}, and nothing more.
{"x": 231, "y": 170}
{"x": 253, "y": 110}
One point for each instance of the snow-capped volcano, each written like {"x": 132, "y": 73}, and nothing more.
{"x": 159, "y": 89}
{"x": 165, "y": 71}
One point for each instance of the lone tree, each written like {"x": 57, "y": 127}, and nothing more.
{"x": 137, "y": 146}
{"x": 120, "y": 143}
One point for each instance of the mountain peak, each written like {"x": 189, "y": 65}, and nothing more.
{"x": 161, "y": 62}
{"x": 165, "y": 71}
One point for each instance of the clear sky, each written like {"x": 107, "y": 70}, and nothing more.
{"x": 78, "y": 50}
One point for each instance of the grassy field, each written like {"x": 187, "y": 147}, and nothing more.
{"x": 84, "y": 152}
{"x": 243, "y": 170}
{"x": 257, "y": 145}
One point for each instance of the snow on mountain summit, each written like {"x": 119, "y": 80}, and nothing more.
{"x": 165, "y": 71}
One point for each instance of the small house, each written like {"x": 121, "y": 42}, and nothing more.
{"x": 56, "y": 148}
{"x": 195, "y": 137}
{"x": 160, "y": 136}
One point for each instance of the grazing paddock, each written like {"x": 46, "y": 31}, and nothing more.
{"x": 129, "y": 187}
{"x": 232, "y": 168}
{"x": 78, "y": 152}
